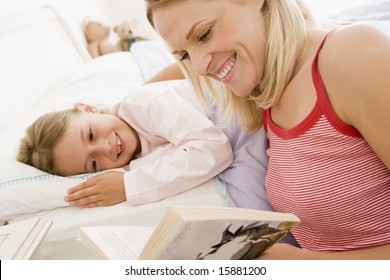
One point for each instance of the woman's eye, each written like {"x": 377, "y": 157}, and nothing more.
{"x": 205, "y": 35}
{"x": 184, "y": 55}
{"x": 90, "y": 135}
{"x": 94, "y": 163}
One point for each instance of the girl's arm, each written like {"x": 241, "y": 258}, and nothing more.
{"x": 181, "y": 150}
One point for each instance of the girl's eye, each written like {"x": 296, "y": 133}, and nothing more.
{"x": 90, "y": 135}
{"x": 205, "y": 35}
{"x": 94, "y": 164}
{"x": 184, "y": 55}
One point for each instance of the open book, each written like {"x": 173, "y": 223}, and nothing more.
{"x": 20, "y": 240}
{"x": 191, "y": 232}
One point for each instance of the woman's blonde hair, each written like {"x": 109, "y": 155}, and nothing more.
{"x": 287, "y": 22}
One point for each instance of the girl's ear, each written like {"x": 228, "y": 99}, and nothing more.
{"x": 82, "y": 107}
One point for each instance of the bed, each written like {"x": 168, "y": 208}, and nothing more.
{"x": 53, "y": 71}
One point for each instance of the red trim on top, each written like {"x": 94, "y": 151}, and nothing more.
{"x": 323, "y": 101}
{"x": 300, "y": 128}
{"x": 321, "y": 107}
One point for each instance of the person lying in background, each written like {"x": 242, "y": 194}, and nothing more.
{"x": 163, "y": 142}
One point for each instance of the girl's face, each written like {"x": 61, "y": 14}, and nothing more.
{"x": 222, "y": 39}
{"x": 95, "y": 142}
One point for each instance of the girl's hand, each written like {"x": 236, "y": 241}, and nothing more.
{"x": 101, "y": 190}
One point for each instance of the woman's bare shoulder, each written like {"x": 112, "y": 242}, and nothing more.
{"x": 350, "y": 44}
{"x": 352, "y": 61}
{"x": 355, "y": 68}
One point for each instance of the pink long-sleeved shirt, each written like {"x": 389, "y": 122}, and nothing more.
{"x": 181, "y": 147}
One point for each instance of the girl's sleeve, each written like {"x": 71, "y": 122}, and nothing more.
{"x": 191, "y": 150}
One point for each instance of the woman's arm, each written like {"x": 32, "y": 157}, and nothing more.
{"x": 356, "y": 70}
{"x": 171, "y": 72}
{"x": 288, "y": 252}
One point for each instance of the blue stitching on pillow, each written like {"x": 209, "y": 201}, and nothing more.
{"x": 45, "y": 177}
{"x": 26, "y": 179}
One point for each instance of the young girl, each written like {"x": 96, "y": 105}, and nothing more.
{"x": 166, "y": 144}
{"x": 325, "y": 98}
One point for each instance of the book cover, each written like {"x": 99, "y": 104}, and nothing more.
{"x": 232, "y": 240}
{"x": 189, "y": 233}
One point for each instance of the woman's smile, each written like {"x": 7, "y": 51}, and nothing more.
{"x": 226, "y": 69}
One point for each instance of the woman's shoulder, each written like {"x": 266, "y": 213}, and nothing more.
{"x": 355, "y": 31}
{"x": 352, "y": 52}
{"x": 352, "y": 61}
{"x": 354, "y": 42}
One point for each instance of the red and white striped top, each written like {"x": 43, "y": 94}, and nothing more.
{"x": 324, "y": 171}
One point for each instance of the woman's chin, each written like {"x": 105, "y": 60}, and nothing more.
{"x": 241, "y": 92}
{"x": 242, "y": 89}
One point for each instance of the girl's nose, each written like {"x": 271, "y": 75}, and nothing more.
{"x": 103, "y": 147}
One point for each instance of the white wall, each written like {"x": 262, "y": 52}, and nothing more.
{"x": 110, "y": 12}
{"x": 323, "y": 8}
{"x": 130, "y": 10}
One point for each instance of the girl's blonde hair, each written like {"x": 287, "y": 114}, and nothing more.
{"x": 37, "y": 147}
{"x": 286, "y": 22}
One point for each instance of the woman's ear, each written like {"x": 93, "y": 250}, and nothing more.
{"x": 82, "y": 107}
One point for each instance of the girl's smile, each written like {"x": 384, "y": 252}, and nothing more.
{"x": 95, "y": 142}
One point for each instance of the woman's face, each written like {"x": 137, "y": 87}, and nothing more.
{"x": 95, "y": 142}
{"x": 222, "y": 39}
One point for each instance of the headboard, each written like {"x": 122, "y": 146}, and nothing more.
{"x": 30, "y": 67}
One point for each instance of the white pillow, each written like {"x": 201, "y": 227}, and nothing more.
{"x": 25, "y": 189}
{"x": 151, "y": 57}
{"x": 375, "y": 12}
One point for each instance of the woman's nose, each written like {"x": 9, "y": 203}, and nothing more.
{"x": 200, "y": 61}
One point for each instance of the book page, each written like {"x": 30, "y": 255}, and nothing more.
{"x": 116, "y": 242}
{"x": 14, "y": 235}
{"x": 21, "y": 239}
{"x": 2, "y": 238}
{"x": 34, "y": 239}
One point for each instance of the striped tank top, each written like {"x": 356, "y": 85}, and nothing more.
{"x": 324, "y": 171}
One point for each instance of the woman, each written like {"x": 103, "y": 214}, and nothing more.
{"x": 323, "y": 96}
{"x": 165, "y": 151}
